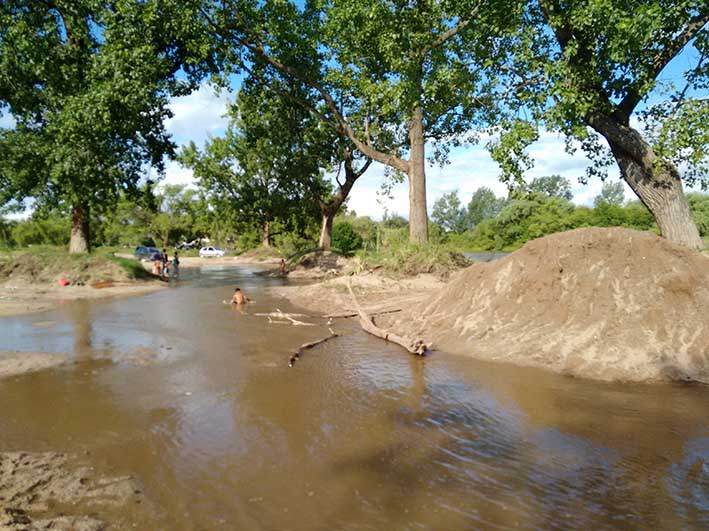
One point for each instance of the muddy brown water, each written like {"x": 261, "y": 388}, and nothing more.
{"x": 195, "y": 400}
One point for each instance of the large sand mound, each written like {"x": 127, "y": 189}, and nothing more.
{"x": 612, "y": 304}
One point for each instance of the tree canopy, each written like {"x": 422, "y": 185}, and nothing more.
{"x": 88, "y": 84}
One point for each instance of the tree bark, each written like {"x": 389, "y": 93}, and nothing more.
{"x": 656, "y": 183}
{"x": 418, "y": 216}
{"x": 325, "y": 242}
{"x": 79, "y": 241}
{"x": 266, "y": 235}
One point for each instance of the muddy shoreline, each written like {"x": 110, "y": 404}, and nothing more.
{"x": 21, "y": 296}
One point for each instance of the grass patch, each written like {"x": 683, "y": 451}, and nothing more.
{"x": 407, "y": 260}
{"x": 48, "y": 264}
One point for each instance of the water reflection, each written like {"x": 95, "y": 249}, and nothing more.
{"x": 358, "y": 435}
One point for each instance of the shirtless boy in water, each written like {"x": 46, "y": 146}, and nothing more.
{"x": 239, "y": 297}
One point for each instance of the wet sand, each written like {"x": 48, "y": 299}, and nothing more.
{"x": 19, "y": 296}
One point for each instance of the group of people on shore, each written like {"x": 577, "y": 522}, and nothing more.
{"x": 162, "y": 265}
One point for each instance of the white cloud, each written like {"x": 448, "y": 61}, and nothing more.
{"x": 7, "y": 121}
{"x": 198, "y": 115}
{"x": 176, "y": 174}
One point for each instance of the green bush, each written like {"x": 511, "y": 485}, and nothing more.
{"x": 50, "y": 231}
{"x": 344, "y": 238}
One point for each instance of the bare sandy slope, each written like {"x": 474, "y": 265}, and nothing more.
{"x": 19, "y": 296}
{"x": 375, "y": 293}
{"x": 610, "y": 304}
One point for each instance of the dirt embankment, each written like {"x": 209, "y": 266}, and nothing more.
{"x": 610, "y": 304}
{"x": 55, "y": 491}
{"x": 30, "y": 282}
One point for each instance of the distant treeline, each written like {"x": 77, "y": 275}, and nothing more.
{"x": 177, "y": 214}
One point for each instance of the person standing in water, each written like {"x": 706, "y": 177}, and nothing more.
{"x": 165, "y": 264}
{"x": 175, "y": 266}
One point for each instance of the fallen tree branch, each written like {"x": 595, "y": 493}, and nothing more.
{"x": 295, "y": 357}
{"x": 355, "y": 314}
{"x": 415, "y": 346}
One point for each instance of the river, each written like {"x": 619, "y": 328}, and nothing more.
{"x": 195, "y": 399}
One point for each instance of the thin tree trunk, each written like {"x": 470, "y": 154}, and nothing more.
{"x": 325, "y": 242}
{"x": 266, "y": 235}
{"x": 418, "y": 217}
{"x": 79, "y": 241}
{"x": 656, "y": 183}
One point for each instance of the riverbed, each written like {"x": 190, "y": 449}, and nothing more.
{"x": 195, "y": 400}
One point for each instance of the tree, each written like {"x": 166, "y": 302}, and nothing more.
{"x": 261, "y": 172}
{"x": 699, "y": 203}
{"x": 483, "y": 205}
{"x": 552, "y": 186}
{"x": 594, "y": 64}
{"x": 389, "y": 76}
{"x": 88, "y": 83}
{"x": 612, "y": 193}
{"x": 448, "y": 213}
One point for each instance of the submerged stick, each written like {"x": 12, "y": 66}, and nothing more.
{"x": 415, "y": 346}
{"x": 312, "y": 344}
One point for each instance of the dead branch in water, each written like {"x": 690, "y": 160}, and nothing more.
{"x": 355, "y": 314}
{"x": 312, "y": 344}
{"x": 279, "y": 314}
{"x": 415, "y": 346}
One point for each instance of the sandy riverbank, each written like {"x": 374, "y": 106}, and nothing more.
{"x": 608, "y": 304}
{"x": 375, "y": 292}
{"x": 21, "y": 296}
{"x": 51, "y": 490}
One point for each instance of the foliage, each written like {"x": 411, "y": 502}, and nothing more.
{"x": 612, "y": 193}
{"x": 449, "y": 214}
{"x": 699, "y": 203}
{"x": 551, "y": 186}
{"x": 344, "y": 238}
{"x": 483, "y": 205}
{"x": 50, "y": 230}
{"x": 88, "y": 85}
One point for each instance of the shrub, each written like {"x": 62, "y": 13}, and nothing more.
{"x": 345, "y": 238}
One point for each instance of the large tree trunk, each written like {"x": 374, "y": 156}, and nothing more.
{"x": 266, "y": 235}
{"x": 418, "y": 216}
{"x": 325, "y": 242}
{"x": 79, "y": 242}
{"x": 657, "y": 184}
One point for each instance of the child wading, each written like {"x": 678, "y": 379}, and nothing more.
{"x": 175, "y": 266}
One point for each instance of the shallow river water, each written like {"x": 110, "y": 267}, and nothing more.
{"x": 195, "y": 399}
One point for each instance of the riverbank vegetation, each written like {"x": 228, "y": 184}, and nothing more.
{"x": 326, "y": 89}
{"x": 46, "y": 264}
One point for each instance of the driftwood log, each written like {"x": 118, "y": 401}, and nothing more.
{"x": 415, "y": 346}
{"x": 295, "y": 357}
